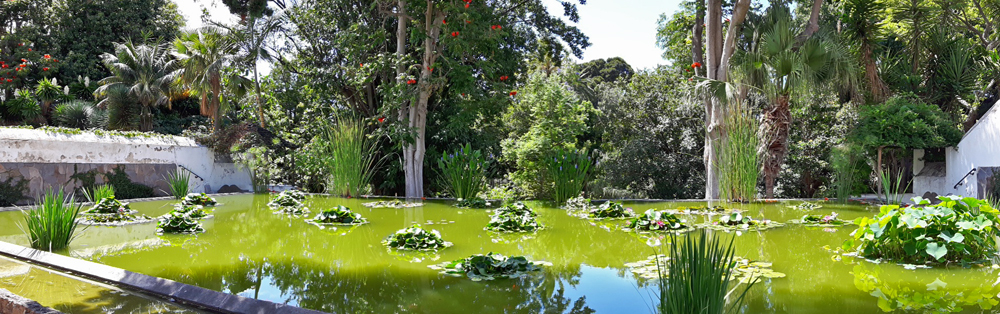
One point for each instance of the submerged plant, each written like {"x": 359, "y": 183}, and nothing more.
{"x": 654, "y": 220}
{"x": 611, "y": 210}
{"x": 697, "y": 276}
{"x": 416, "y": 238}
{"x": 198, "y": 199}
{"x": 464, "y": 172}
{"x": 569, "y": 170}
{"x": 338, "y": 215}
{"x": 179, "y": 184}
{"x": 52, "y": 225}
{"x": 956, "y": 230}
{"x": 178, "y": 222}
{"x": 490, "y": 266}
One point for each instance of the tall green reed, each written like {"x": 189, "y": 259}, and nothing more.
{"x": 99, "y": 193}
{"x": 464, "y": 172}
{"x": 52, "y": 224}
{"x": 697, "y": 277}
{"x": 738, "y": 155}
{"x": 893, "y": 187}
{"x": 568, "y": 169}
{"x": 844, "y": 160}
{"x": 179, "y": 183}
{"x": 350, "y": 157}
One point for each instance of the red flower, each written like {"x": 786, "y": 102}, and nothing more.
{"x": 9, "y": 80}
{"x": 381, "y": 119}
{"x": 727, "y": 20}
{"x": 56, "y": 60}
{"x": 423, "y": 198}
{"x": 47, "y": 57}
{"x": 430, "y": 69}
{"x": 29, "y": 49}
{"x": 826, "y": 198}
{"x": 690, "y": 79}
{"x": 443, "y": 21}
{"x": 362, "y": 65}
{"x": 696, "y": 65}
{"x": 466, "y": 5}
{"x": 45, "y": 69}
{"x": 411, "y": 82}
{"x": 23, "y": 65}
{"x": 689, "y": 70}
{"x": 454, "y": 34}
{"x": 503, "y": 78}
{"x": 24, "y": 60}
{"x": 3, "y": 66}
{"x": 20, "y": 44}
{"x": 463, "y": 94}
{"x": 512, "y": 93}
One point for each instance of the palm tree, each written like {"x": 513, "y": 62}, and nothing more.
{"x": 204, "y": 56}
{"x": 779, "y": 66}
{"x": 861, "y": 21}
{"x": 145, "y": 71}
{"x": 251, "y": 40}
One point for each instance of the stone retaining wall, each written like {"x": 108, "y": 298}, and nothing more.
{"x": 42, "y": 176}
{"x": 14, "y": 304}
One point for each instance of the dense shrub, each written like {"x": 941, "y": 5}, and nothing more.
{"x": 956, "y": 230}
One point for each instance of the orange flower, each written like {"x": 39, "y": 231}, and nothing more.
{"x": 512, "y": 93}
{"x": 696, "y": 65}
{"x": 47, "y": 57}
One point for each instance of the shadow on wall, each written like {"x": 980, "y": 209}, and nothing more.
{"x": 989, "y": 182}
{"x": 21, "y": 183}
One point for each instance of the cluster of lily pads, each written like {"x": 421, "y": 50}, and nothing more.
{"x": 830, "y": 220}
{"x": 807, "y": 206}
{"x": 578, "y": 203}
{"x": 658, "y": 220}
{"x": 185, "y": 218}
{"x": 417, "y": 239}
{"x": 473, "y": 203}
{"x": 514, "y": 217}
{"x": 201, "y": 199}
{"x": 339, "y": 215}
{"x": 289, "y": 202}
{"x": 111, "y": 212}
{"x": 490, "y": 266}
{"x": 391, "y": 204}
{"x": 610, "y": 210}
{"x": 738, "y": 222}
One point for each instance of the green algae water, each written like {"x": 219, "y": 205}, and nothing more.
{"x": 249, "y": 251}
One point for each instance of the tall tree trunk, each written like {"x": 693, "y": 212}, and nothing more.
{"x": 145, "y": 118}
{"x": 413, "y": 154}
{"x": 877, "y": 87}
{"x": 401, "y": 52}
{"x": 777, "y": 122}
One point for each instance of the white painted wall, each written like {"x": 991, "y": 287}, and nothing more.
{"x": 38, "y": 146}
{"x": 980, "y": 147}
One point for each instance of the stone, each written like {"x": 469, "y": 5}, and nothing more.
{"x": 230, "y": 189}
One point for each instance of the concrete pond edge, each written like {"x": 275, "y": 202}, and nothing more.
{"x": 167, "y": 290}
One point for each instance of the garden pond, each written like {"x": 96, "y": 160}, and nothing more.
{"x": 250, "y": 251}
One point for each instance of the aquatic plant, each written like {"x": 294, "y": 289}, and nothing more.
{"x": 700, "y": 210}
{"x": 697, "y": 277}
{"x": 473, "y": 203}
{"x": 338, "y": 215}
{"x": 611, "y": 210}
{"x": 287, "y": 198}
{"x": 416, "y": 238}
{"x": 657, "y": 220}
{"x": 198, "y": 199}
{"x": 464, "y": 172}
{"x": 844, "y": 160}
{"x": 509, "y": 222}
{"x": 830, "y": 220}
{"x": 737, "y": 221}
{"x": 178, "y": 222}
{"x": 350, "y": 157}
{"x": 928, "y": 296}
{"x": 179, "y": 184}
{"x": 391, "y": 204}
{"x": 193, "y": 211}
{"x": 108, "y": 205}
{"x": 744, "y": 271}
{"x": 578, "y": 203}
{"x": 52, "y": 225}
{"x": 959, "y": 229}
{"x": 99, "y": 192}
{"x": 491, "y": 266}
{"x": 738, "y": 159}
{"x": 569, "y": 170}
{"x": 892, "y": 187}
{"x": 806, "y": 206}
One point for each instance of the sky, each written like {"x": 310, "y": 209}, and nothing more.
{"x": 617, "y": 28}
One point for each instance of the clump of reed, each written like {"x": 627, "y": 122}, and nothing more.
{"x": 178, "y": 183}
{"x": 738, "y": 155}
{"x": 697, "y": 277}
{"x": 568, "y": 169}
{"x": 464, "y": 172}
{"x": 350, "y": 157}
{"x": 51, "y": 226}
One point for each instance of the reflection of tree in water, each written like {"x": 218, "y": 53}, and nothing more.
{"x": 948, "y": 293}
{"x": 321, "y": 288}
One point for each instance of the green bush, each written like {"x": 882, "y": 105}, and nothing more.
{"x": 24, "y": 107}
{"x": 124, "y": 187}
{"x": 464, "y": 172}
{"x": 76, "y": 114}
{"x": 956, "y": 230}
{"x": 52, "y": 224}
{"x": 905, "y": 121}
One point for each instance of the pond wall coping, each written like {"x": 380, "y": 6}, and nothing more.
{"x": 165, "y": 289}
{"x": 11, "y": 303}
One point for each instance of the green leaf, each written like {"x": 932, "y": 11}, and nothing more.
{"x": 936, "y": 250}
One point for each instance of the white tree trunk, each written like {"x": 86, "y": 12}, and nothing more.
{"x": 413, "y": 154}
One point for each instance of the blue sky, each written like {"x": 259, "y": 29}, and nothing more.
{"x": 617, "y": 28}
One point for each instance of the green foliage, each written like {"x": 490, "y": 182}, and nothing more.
{"x": 76, "y": 114}
{"x": 473, "y": 203}
{"x": 142, "y": 73}
{"x": 416, "y": 238}
{"x": 491, "y": 266}
{"x": 700, "y": 269}
{"x": 738, "y": 159}
{"x": 569, "y": 172}
{"x": 178, "y": 222}
{"x": 736, "y": 221}
{"x": 906, "y": 122}
{"x": 845, "y": 159}
{"x": 893, "y": 187}
{"x": 48, "y": 90}
{"x": 338, "y": 215}
{"x": 513, "y": 217}
{"x": 193, "y": 211}
{"x": 179, "y": 183}
{"x": 23, "y": 107}
{"x": 464, "y": 172}
{"x": 349, "y": 157}
{"x": 657, "y": 220}
{"x": 956, "y": 230}
{"x": 578, "y": 203}
{"x": 108, "y": 205}
{"x": 201, "y": 199}
{"x": 547, "y": 117}
{"x": 612, "y": 210}
{"x": 289, "y": 202}
{"x": 12, "y": 190}
{"x": 505, "y": 193}
{"x": 123, "y": 185}
{"x": 830, "y": 220}
{"x": 924, "y": 296}
{"x": 51, "y": 225}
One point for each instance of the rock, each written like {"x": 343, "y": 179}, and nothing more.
{"x": 230, "y": 189}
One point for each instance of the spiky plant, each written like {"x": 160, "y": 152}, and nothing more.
{"x": 99, "y": 193}
{"x": 739, "y": 164}
{"x": 179, "y": 183}
{"x": 140, "y": 72}
{"x": 75, "y": 114}
{"x": 464, "y": 172}
{"x": 350, "y": 157}
{"x": 697, "y": 277}
{"x": 52, "y": 225}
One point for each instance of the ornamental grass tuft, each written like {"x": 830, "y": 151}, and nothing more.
{"x": 52, "y": 225}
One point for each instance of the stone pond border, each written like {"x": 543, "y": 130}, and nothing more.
{"x": 164, "y": 289}
{"x": 14, "y": 304}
